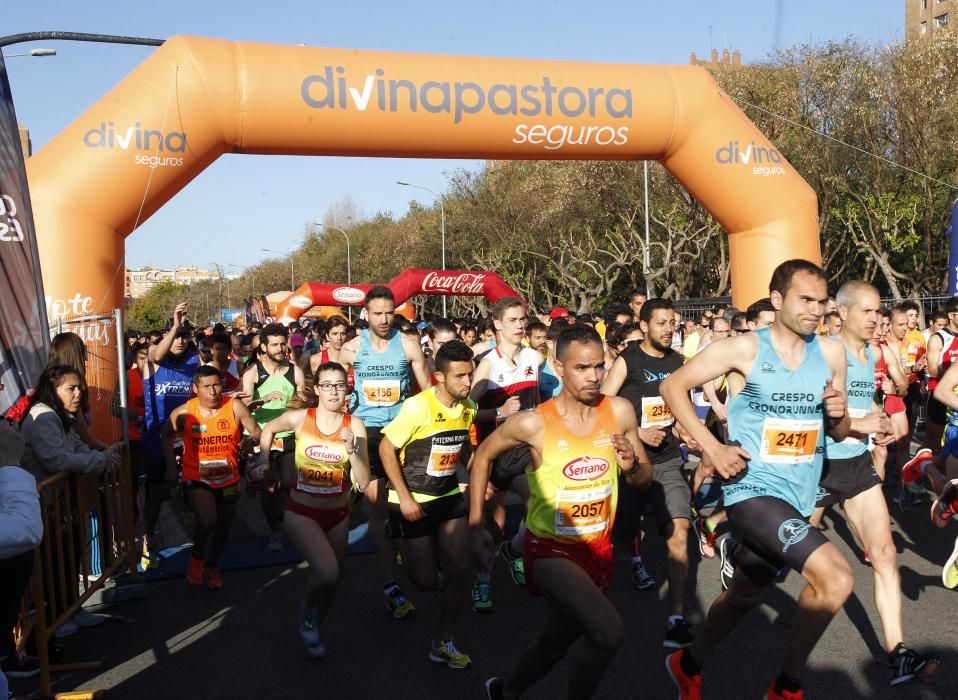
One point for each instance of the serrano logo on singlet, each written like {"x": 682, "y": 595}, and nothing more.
{"x": 323, "y": 453}
{"x": 792, "y": 531}
{"x": 149, "y": 141}
{"x": 586, "y": 468}
{"x": 348, "y": 295}
{"x": 334, "y": 89}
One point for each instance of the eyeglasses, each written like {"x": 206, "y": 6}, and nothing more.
{"x": 328, "y": 387}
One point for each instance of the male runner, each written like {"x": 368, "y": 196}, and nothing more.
{"x": 382, "y": 359}
{"x": 506, "y": 381}
{"x": 269, "y": 386}
{"x": 229, "y": 369}
{"x": 427, "y": 509}
{"x": 784, "y": 395}
{"x": 636, "y": 299}
{"x": 942, "y": 351}
{"x": 210, "y": 426}
{"x": 760, "y": 314}
{"x": 849, "y": 476}
{"x": 636, "y": 375}
{"x": 579, "y": 442}
{"x": 537, "y": 333}
{"x": 167, "y": 380}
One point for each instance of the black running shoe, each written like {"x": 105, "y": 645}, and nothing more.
{"x": 909, "y": 664}
{"x": 727, "y": 557}
{"x": 678, "y": 636}
{"x": 494, "y": 688}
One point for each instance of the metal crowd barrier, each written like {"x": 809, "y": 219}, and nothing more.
{"x": 62, "y": 581}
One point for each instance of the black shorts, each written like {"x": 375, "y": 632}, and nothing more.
{"x": 509, "y": 465}
{"x": 669, "y": 496}
{"x": 226, "y": 495}
{"x": 374, "y": 436}
{"x": 771, "y": 535}
{"x": 937, "y": 412}
{"x": 436, "y": 512}
{"x": 843, "y": 479}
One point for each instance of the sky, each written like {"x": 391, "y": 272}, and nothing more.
{"x": 243, "y": 203}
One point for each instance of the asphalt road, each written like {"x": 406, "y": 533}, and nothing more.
{"x": 241, "y": 642}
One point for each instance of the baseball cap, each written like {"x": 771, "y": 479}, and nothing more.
{"x": 296, "y": 340}
{"x": 559, "y": 312}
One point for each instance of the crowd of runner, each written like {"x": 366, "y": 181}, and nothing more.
{"x": 588, "y": 424}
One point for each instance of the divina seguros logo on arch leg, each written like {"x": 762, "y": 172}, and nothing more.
{"x": 763, "y": 161}
{"x": 151, "y": 147}
{"x": 335, "y": 89}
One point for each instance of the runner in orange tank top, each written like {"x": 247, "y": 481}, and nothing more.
{"x": 210, "y": 425}
{"x": 330, "y": 453}
{"x": 579, "y": 441}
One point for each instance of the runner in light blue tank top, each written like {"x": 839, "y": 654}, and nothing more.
{"x": 860, "y": 390}
{"x": 382, "y": 380}
{"x": 777, "y": 418}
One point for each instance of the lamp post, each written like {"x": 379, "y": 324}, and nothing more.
{"x": 292, "y": 284}
{"x": 219, "y": 277}
{"x": 349, "y": 263}
{"x": 32, "y": 52}
{"x": 442, "y": 227}
{"x": 645, "y": 258}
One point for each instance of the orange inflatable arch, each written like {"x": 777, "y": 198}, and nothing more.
{"x": 195, "y": 99}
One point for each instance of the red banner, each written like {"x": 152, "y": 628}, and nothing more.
{"x": 409, "y": 283}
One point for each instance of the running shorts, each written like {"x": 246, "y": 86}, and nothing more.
{"x": 374, "y": 436}
{"x": 594, "y": 558}
{"x": 894, "y": 404}
{"x": 435, "y": 513}
{"x": 950, "y": 443}
{"x": 669, "y": 496}
{"x": 843, "y": 479}
{"x": 225, "y": 496}
{"x": 326, "y": 518}
{"x": 771, "y": 535}
{"x": 937, "y": 412}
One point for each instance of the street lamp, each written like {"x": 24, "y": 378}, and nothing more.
{"x": 442, "y": 227}
{"x": 349, "y": 264}
{"x": 292, "y": 284}
{"x": 32, "y": 52}
{"x": 219, "y": 277}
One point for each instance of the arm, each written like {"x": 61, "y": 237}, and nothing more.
{"x": 835, "y": 405}
{"x": 410, "y": 509}
{"x": 21, "y": 527}
{"x": 517, "y": 430}
{"x": 894, "y": 370}
{"x": 248, "y": 379}
{"x": 60, "y": 450}
{"x": 614, "y": 378}
{"x": 712, "y": 395}
{"x": 160, "y": 350}
{"x": 171, "y": 428}
{"x": 417, "y": 362}
{"x": 83, "y": 432}
{"x": 633, "y": 459}
{"x": 348, "y": 354}
{"x": 945, "y": 391}
{"x": 933, "y": 355}
{"x": 359, "y": 459}
{"x": 245, "y": 419}
{"x": 300, "y": 379}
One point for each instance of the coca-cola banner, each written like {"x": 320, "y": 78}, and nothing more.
{"x": 23, "y": 318}
{"x": 409, "y": 283}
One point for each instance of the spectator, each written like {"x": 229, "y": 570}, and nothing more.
{"x": 69, "y": 349}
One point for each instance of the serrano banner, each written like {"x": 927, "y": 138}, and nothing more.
{"x": 406, "y": 284}
{"x": 195, "y": 99}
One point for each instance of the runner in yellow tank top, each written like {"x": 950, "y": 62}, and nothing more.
{"x": 578, "y": 440}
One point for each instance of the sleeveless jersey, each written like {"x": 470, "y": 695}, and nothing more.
{"x": 322, "y": 464}
{"x": 267, "y": 383}
{"x": 430, "y": 437}
{"x": 573, "y": 493}
{"x": 211, "y": 445}
{"x": 382, "y": 379}
{"x": 860, "y": 390}
{"x": 949, "y": 352}
{"x": 778, "y": 419}
{"x": 549, "y": 384}
{"x": 643, "y": 375}
{"x": 506, "y": 381}
{"x": 168, "y": 386}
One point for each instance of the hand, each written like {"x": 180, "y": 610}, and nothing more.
{"x": 689, "y": 441}
{"x": 877, "y": 422}
{"x": 349, "y": 439}
{"x": 834, "y": 401}
{"x": 921, "y": 364}
{"x": 247, "y": 447}
{"x": 624, "y": 452}
{"x": 728, "y": 460}
{"x": 258, "y": 469}
{"x": 179, "y": 313}
{"x": 721, "y": 410}
{"x": 273, "y": 396}
{"x": 652, "y": 437}
{"x": 410, "y": 509}
{"x": 509, "y": 407}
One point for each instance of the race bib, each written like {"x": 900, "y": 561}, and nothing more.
{"x": 319, "y": 481}
{"x": 381, "y": 392}
{"x": 655, "y": 412}
{"x": 443, "y": 460}
{"x": 787, "y": 441}
{"x": 215, "y": 471}
{"x": 583, "y": 512}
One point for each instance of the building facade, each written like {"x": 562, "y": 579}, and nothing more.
{"x": 924, "y": 17}
{"x": 139, "y": 282}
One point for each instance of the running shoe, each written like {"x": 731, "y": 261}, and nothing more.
{"x": 727, "y": 557}
{"x": 20, "y": 665}
{"x": 481, "y": 597}
{"x": 946, "y": 505}
{"x": 706, "y": 538}
{"x": 194, "y": 572}
{"x": 517, "y": 567}
{"x": 494, "y": 688}
{"x": 949, "y": 573}
{"x": 689, "y": 687}
{"x": 772, "y": 694}
{"x": 275, "y": 541}
{"x": 641, "y": 578}
{"x": 309, "y": 626}
{"x": 909, "y": 664}
{"x": 678, "y": 636}
{"x": 317, "y": 651}
{"x": 397, "y": 604}
{"x": 214, "y": 578}
{"x": 67, "y": 629}
{"x": 913, "y": 472}
{"x": 84, "y": 618}
{"x": 447, "y": 653}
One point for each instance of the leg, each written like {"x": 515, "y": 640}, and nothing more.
{"x": 576, "y": 607}
{"x": 899, "y": 422}
{"x": 419, "y": 562}
{"x": 322, "y": 555}
{"x": 202, "y": 503}
{"x": 225, "y": 512}
{"x": 868, "y": 514}
{"x": 376, "y": 494}
{"x": 453, "y": 541}
{"x": 879, "y": 457}
{"x": 677, "y": 542}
